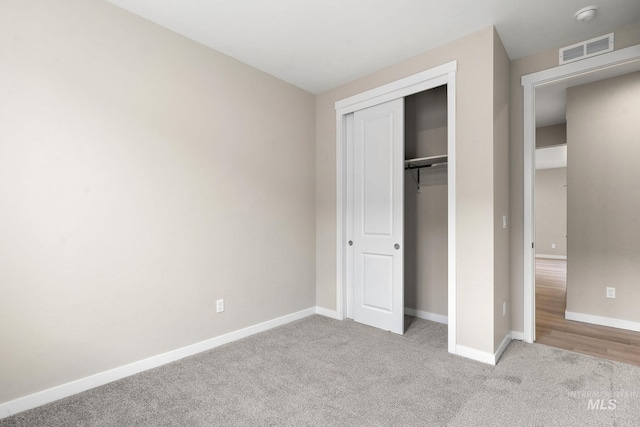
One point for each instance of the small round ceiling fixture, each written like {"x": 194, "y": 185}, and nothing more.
{"x": 586, "y": 13}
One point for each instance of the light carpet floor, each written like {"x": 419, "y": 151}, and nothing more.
{"x": 322, "y": 372}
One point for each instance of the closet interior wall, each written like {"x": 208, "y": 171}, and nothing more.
{"x": 425, "y": 213}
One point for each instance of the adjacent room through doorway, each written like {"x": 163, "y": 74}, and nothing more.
{"x": 583, "y": 215}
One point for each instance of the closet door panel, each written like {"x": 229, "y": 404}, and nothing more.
{"x": 377, "y": 271}
{"x": 377, "y": 183}
{"x": 378, "y": 198}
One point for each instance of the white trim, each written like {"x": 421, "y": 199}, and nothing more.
{"x": 603, "y": 321}
{"x": 327, "y": 313}
{"x": 452, "y": 215}
{"x": 551, "y": 256}
{"x": 483, "y": 356}
{"x": 517, "y": 335}
{"x": 434, "y": 77}
{"x": 573, "y": 69}
{"x": 529, "y": 311}
{"x": 502, "y": 347}
{"x": 434, "y": 317}
{"x": 401, "y": 93}
{"x": 341, "y": 223}
{"x": 390, "y": 91}
{"x": 349, "y": 268}
{"x": 477, "y": 355}
{"x": 529, "y": 83}
{"x": 55, "y": 393}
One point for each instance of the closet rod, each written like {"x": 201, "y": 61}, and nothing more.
{"x": 423, "y": 162}
{"x": 432, "y": 165}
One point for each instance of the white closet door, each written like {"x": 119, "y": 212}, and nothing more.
{"x": 378, "y": 203}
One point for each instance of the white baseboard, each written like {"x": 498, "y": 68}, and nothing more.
{"x": 517, "y": 335}
{"x": 503, "y": 346}
{"x": 327, "y": 313}
{"x": 483, "y": 356}
{"x": 55, "y": 393}
{"x": 603, "y": 321}
{"x": 551, "y": 256}
{"x": 477, "y": 355}
{"x": 439, "y": 318}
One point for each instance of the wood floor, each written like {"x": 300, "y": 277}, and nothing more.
{"x": 554, "y": 330}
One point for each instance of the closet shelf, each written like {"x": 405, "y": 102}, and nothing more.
{"x": 425, "y": 162}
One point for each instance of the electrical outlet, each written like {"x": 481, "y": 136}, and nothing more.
{"x": 553, "y": 246}
{"x": 219, "y": 306}
{"x": 611, "y": 292}
{"x": 504, "y": 308}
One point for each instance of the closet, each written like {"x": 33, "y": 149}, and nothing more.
{"x": 396, "y": 202}
{"x": 426, "y": 205}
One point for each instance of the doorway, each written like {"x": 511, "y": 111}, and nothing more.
{"x": 550, "y": 220}
{"x": 439, "y": 76}
{"x": 593, "y": 69}
{"x": 560, "y": 303}
{"x": 550, "y": 225}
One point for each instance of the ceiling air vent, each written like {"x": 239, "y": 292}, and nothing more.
{"x": 586, "y": 49}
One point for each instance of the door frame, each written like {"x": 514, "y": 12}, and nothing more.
{"x": 444, "y": 74}
{"x": 530, "y": 82}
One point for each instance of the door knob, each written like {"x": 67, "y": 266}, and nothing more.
{"x": 397, "y": 246}
{"x": 350, "y": 242}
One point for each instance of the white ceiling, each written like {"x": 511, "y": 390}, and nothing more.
{"x": 320, "y": 44}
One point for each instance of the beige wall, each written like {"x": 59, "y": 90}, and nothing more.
{"x": 547, "y": 136}
{"x": 425, "y": 214}
{"x": 476, "y": 215}
{"x": 551, "y": 211}
{"x": 624, "y": 37}
{"x": 142, "y": 177}
{"x": 603, "y": 201}
{"x": 501, "y": 62}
